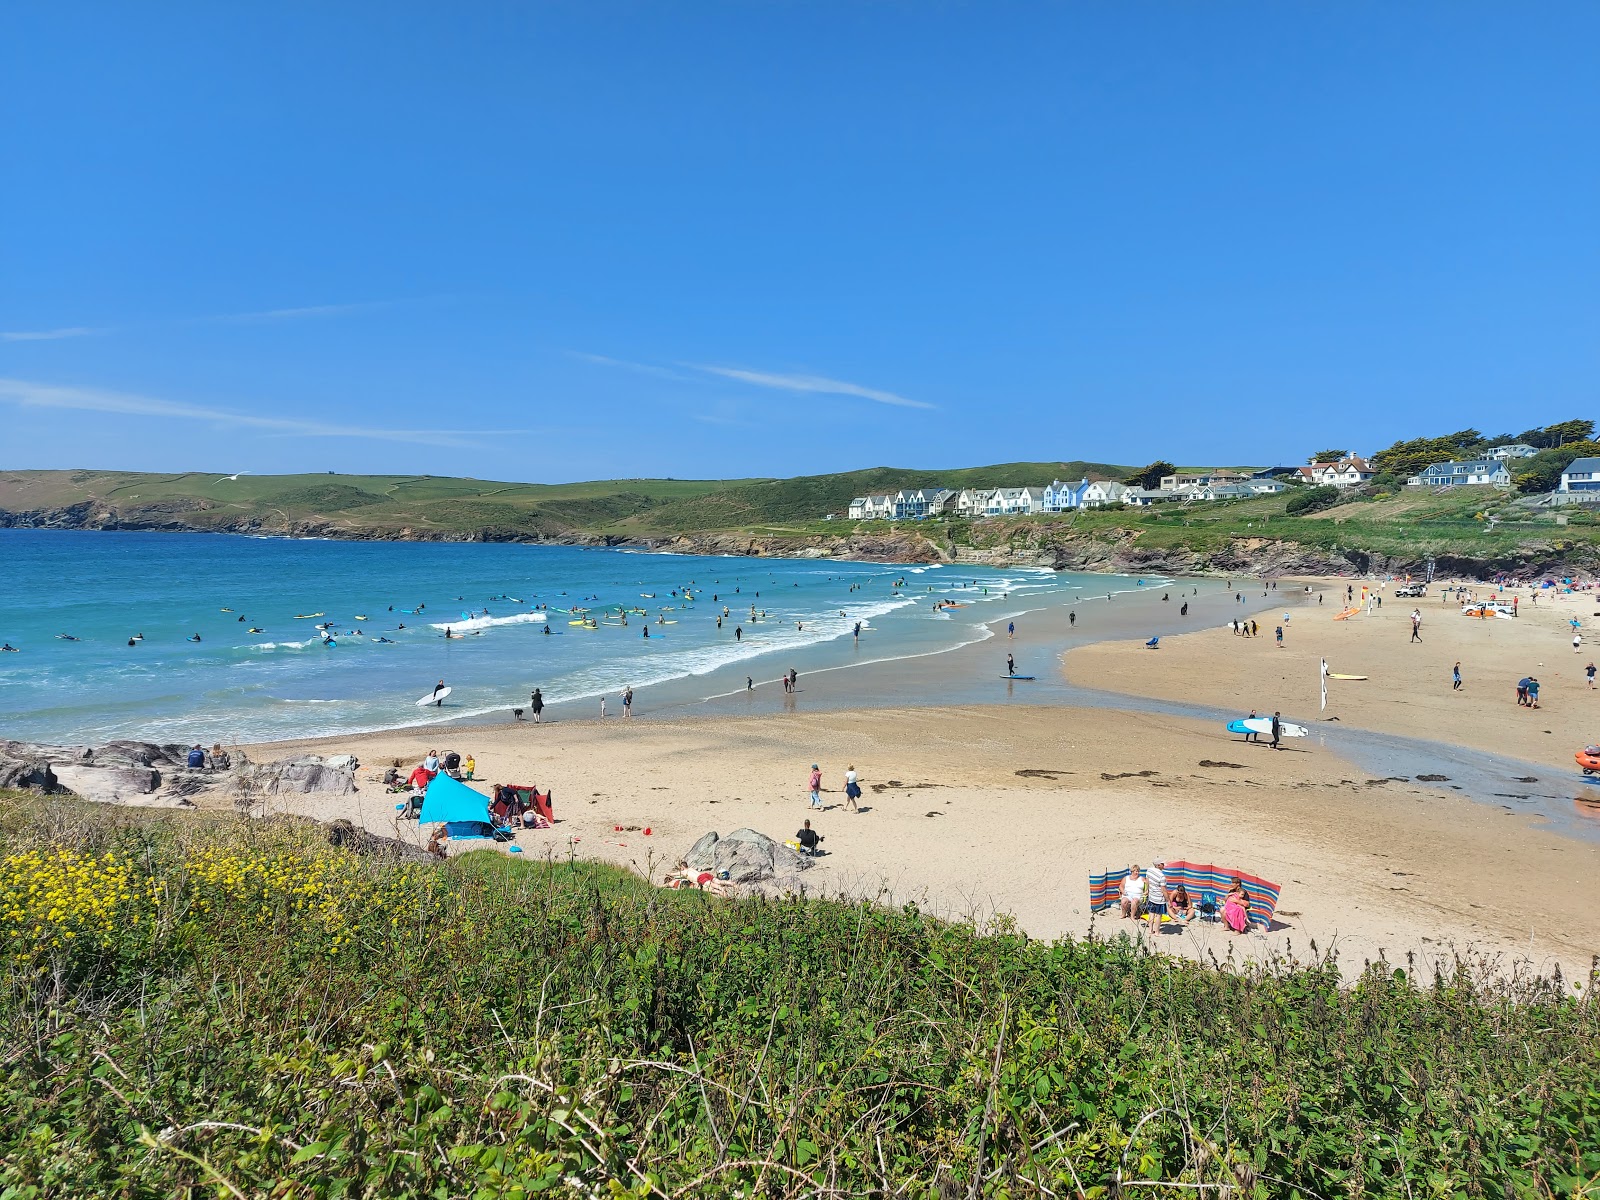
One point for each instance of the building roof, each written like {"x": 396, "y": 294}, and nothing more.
{"x": 1580, "y": 466}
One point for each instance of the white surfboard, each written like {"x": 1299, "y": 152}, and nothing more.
{"x": 1263, "y": 725}
{"x": 433, "y": 697}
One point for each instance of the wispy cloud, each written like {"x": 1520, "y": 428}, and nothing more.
{"x": 47, "y": 335}
{"x": 306, "y": 312}
{"x": 813, "y": 384}
{"x": 43, "y": 395}
{"x": 816, "y": 384}
{"x": 639, "y": 368}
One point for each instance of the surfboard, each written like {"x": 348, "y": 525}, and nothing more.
{"x": 434, "y": 697}
{"x": 1332, "y": 675}
{"x": 308, "y": 616}
{"x": 1016, "y": 677}
{"x": 1263, "y": 726}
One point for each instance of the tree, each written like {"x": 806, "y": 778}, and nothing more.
{"x": 1542, "y": 472}
{"x": 1151, "y": 476}
{"x": 1404, "y": 459}
{"x": 1328, "y": 456}
{"x": 1559, "y": 434}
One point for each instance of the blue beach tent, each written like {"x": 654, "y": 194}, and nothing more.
{"x": 463, "y": 812}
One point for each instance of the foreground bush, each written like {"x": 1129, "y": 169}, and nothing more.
{"x": 241, "y": 1010}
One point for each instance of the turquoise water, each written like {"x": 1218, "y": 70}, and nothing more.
{"x": 284, "y": 682}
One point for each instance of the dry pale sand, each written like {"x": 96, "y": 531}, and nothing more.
{"x": 978, "y": 811}
{"x": 1408, "y": 688}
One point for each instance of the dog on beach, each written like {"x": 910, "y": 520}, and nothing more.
{"x": 517, "y": 713}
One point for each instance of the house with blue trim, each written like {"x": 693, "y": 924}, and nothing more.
{"x": 1476, "y": 472}
{"x": 1581, "y": 475}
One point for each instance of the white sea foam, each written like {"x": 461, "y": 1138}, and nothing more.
{"x": 489, "y": 622}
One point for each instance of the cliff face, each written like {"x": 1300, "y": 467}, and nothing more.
{"x": 1018, "y": 543}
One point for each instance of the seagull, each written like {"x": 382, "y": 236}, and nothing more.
{"x": 232, "y": 478}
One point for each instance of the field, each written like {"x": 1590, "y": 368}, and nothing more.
{"x": 202, "y": 1005}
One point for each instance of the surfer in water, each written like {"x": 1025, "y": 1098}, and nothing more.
{"x": 194, "y": 637}
{"x": 8, "y": 648}
{"x": 437, "y": 688}
{"x": 1011, "y": 665}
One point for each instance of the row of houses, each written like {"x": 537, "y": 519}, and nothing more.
{"x": 916, "y": 504}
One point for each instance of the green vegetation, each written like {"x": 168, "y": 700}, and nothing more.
{"x": 229, "y": 1008}
{"x": 1151, "y": 476}
{"x": 1325, "y": 456}
{"x": 1405, "y": 459}
{"x": 1310, "y": 500}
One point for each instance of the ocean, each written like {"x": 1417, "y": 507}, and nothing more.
{"x": 234, "y": 685}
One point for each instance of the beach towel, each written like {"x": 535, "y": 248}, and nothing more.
{"x": 1207, "y": 885}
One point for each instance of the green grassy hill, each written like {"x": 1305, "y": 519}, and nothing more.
{"x": 1474, "y": 530}
{"x": 388, "y": 505}
{"x": 206, "y": 1005}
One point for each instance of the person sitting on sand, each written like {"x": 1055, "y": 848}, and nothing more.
{"x": 809, "y": 839}
{"x": 1236, "y": 908}
{"x": 391, "y": 777}
{"x": 1180, "y": 907}
{"x": 1132, "y": 893}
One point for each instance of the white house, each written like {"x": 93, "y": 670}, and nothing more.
{"x": 1186, "y": 480}
{"x": 1265, "y": 487}
{"x": 1457, "y": 474}
{"x": 1581, "y": 475}
{"x": 1510, "y": 450}
{"x": 1347, "y": 472}
{"x": 874, "y": 508}
{"x": 1145, "y": 497}
{"x": 858, "y": 508}
{"x": 1105, "y": 491}
{"x": 973, "y": 502}
{"x": 1004, "y": 502}
{"x": 1031, "y": 500}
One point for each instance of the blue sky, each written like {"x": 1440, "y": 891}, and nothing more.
{"x": 563, "y": 241}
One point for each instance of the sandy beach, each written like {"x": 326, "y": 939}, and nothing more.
{"x": 1407, "y": 689}
{"x": 977, "y": 811}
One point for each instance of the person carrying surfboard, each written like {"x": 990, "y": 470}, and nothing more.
{"x": 437, "y": 699}
{"x": 1277, "y": 730}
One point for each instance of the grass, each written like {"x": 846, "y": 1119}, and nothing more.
{"x": 1403, "y": 528}
{"x": 244, "y": 1011}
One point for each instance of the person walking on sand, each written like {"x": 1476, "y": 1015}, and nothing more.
{"x": 1455, "y": 677}
{"x": 1280, "y": 637}
{"x": 536, "y": 703}
{"x": 852, "y": 788}
{"x": 1011, "y": 630}
{"x": 602, "y": 708}
{"x": 1416, "y": 628}
{"x": 1533, "y": 691}
{"x": 1277, "y": 730}
{"x": 815, "y": 784}
{"x": 1589, "y": 674}
{"x": 627, "y": 702}
{"x": 1072, "y": 618}
{"x": 1577, "y": 643}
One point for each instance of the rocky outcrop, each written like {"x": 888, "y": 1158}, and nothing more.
{"x": 335, "y": 775}
{"x": 120, "y": 772}
{"x": 153, "y": 775}
{"x": 749, "y": 858}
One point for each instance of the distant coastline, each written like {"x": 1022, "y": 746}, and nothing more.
{"x": 777, "y": 519}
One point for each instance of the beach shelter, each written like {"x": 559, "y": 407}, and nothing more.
{"x": 463, "y": 812}
{"x": 1206, "y": 882}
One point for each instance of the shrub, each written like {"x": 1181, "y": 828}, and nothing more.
{"x": 492, "y": 1027}
{"x": 1312, "y": 500}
